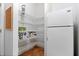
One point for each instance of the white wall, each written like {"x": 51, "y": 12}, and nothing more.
{"x": 2, "y": 28}
{"x": 35, "y": 9}
{"x": 39, "y": 21}
{"x": 40, "y": 28}
{"x": 35, "y": 16}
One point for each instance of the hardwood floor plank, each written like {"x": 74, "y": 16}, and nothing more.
{"x": 36, "y": 51}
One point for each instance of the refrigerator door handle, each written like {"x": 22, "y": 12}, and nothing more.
{"x": 60, "y": 26}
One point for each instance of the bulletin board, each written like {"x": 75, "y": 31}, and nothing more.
{"x": 9, "y": 18}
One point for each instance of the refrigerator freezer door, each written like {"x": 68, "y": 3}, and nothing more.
{"x": 60, "y": 41}
{"x": 60, "y": 17}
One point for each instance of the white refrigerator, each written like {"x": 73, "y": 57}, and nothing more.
{"x": 60, "y": 33}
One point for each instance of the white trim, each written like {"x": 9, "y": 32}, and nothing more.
{"x": 45, "y": 31}
{"x": 15, "y": 29}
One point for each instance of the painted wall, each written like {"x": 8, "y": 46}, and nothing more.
{"x": 35, "y": 18}
{"x": 33, "y": 9}
{"x": 2, "y": 28}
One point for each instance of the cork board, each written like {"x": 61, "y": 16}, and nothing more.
{"x": 9, "y": 18}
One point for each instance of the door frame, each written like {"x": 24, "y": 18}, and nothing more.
{"x": 15, "y": 29}
{"x": 2, "y": 27}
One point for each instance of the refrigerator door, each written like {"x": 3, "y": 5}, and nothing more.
{"x": 60, "y": 17}
{"x": 60, "y": 41}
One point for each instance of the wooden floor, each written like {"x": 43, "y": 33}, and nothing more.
{"x": 36, "y": 51}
